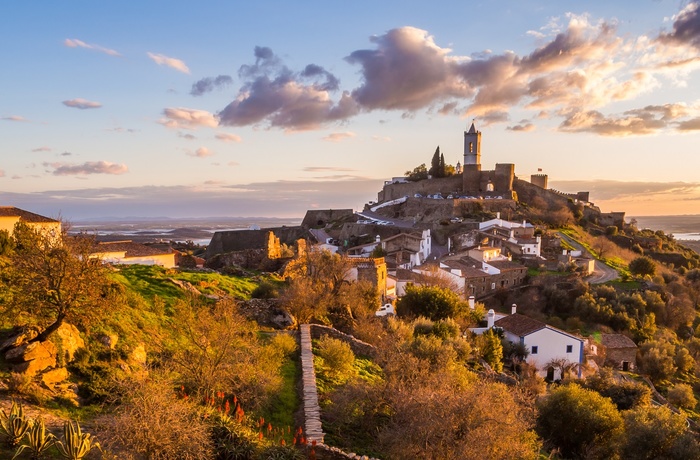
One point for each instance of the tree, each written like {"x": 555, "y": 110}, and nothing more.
{"x": 493, "y": 350}
{"x": 657, "y": 433}
{"x": 430, "y": 301}
{"x": 681, "y": 395}
{"x": 441, "y": 168}
{"x": 434, "y": 170}
{"x": 53, "y": 278}
{"x": 642, "y": 266}
{"x": 418, "y": 173}
{"x": 580, "y": 422}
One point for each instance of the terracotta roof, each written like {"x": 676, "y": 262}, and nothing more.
{"x": 471, "y": 268}
{"x": 505, "y": 265}
{"x": 617, "y": 341}
{"x": 25, "y": 216}
{"x": 520, "y": 325}
{"x": 130, "y": 248}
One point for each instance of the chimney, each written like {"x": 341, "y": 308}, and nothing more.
{"x": 513, "y": 309}
{"x": 471, "y": 302}
{"x": 563, "y": 252}
{"x": 490, "y": 317}
{"x": 377, "y": 238}
{"x": 498, "y": 215}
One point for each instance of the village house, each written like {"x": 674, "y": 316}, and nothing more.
{"x": 620, "y": 352}
{"x": 10, "y": 216}
{"x": 129, "y": 253}
{"x": 546, "y": 345}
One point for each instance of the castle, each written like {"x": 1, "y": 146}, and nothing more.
{"x": 497, "y": 182}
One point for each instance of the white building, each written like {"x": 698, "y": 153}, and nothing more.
{"x": 544, "y": 343}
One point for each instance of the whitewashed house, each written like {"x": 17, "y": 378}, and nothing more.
{"x": 543, "y": 343}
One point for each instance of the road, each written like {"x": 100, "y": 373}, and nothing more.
{"x": 369, "y": 215}
{"x": 601, "y": 273}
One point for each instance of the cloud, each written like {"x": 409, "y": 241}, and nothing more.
{"x": 82, "y": 104}
{"x": 338, "y": 137}
{"x": 42, "y": 149}
{"x": 87, "y": 168}
{"x": 648, "y": 120}
{"x": 75, "y": 43}
{"x": 407, "y": 71}
{"x": 173, "y": 63}
{"x": 188, "y": 136}
{"x": 686, "y": 27}
{"x": 15, "y": 118}
{"x": 184, "y": 118}
{"x": 66, "y": 154}
{"x": 209, "y": 84}
{"x": 275, "y": 95}
{"x": 524, "y": 126}
{"x": 228, "y": 137}
{"x": 201, "y": 152}
{"x": 326, "y": 169}
{"x": 689, "y": 125}
{"x": 381, "y": 138}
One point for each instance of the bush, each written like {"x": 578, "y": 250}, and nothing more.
{"x": 265, "y": 290}
{"x": 446, "y": 329}
{"x": 681, "y": 395}
{"x": 337, "y": 356}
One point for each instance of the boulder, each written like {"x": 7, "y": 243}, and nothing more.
{"x": 31, "y": 352}
{"x": 68, "y": 339}
{"x": 109, "y": 340}
{"x": 54, "y": 376}
{"x": 34, "y": 366}
{"x": 138, "y": 355}
{"x": 20, "y": 336}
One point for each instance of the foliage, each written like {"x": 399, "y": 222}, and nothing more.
{"x": 265, "y": 290}
{"x": 418, "y": 173}
{"x": 657, "y": 433}
{"x": 53, "y": 279}
{"x": 432, "y": 302}
{"x": 14, "y": 425}
{"x": 625, "y": 395}
{"x": 74, "y": 444}
{"x": 579, "y": 422}
{"x": 152, "y": 421}
{"x": 681, "y": 395}
{"x": 282, "y": 452}
{"x": 37, "y": 441}
{"x": 492, "y": 350}
{"x": 642, "y": 266}
{"x": 337, "y": 358}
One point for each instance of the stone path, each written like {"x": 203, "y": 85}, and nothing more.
{"x": 312, "y": 411}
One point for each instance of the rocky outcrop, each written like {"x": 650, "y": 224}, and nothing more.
{"x": 68, "y": 340}
{"x": 138, "y": 355}
{"x": 19, "y": 336}
{"x": 32, "y": 358}
{"x": 267, "y": 312}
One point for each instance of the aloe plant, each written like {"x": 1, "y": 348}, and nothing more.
{"x": 37, "y": 441}
{"x": 14, "y": 425}
{"x": 74, "y": 444}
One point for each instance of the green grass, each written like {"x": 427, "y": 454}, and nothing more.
{"x": 285, "y": 403}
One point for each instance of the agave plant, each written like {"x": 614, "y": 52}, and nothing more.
{"x": 36, "y": 441}
{"x": 14, "y": 425}
{"x": 74, "y": 444}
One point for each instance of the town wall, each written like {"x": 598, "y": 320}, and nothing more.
{"x": 318, "y": 218}
{"x": 239, "y": 240}
{"x": 445, "y": 185}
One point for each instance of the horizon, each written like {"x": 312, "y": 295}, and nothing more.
{"x": 242, "y": 112}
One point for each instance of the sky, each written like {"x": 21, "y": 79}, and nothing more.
{"x": 269, "y": 108}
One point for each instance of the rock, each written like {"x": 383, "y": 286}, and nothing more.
{"x": 34, "y": 366}
{"x": 54, "y": 376}
{"x": 68, "y": 339}
{"x": 186, "y": 285}
{"x": 138, "y": 355}
{"x": 109, "y": 340}
{"x": 20, "y": 336}
{"x": 31, "y": 351}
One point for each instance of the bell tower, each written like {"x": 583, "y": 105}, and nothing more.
{"x": 472, "y": 147}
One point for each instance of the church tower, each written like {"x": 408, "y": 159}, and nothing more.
{"x": 472, "y": 147}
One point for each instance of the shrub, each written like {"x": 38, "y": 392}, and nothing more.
{"x": 446, "y": 329}
{"x": 265, "y": 290}
{"x": 681, "y": 395}
{"x": 284, "y": 344}
{"x": 14, "y": 425}
{"x": 337, "y": 356}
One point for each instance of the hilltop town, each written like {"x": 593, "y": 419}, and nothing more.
{"x": 464, "y": 313}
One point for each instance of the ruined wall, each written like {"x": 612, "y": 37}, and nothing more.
{"x": 239, "y": 240}
{"x": 318, "y": 218}
{"x": 443, "y": 185}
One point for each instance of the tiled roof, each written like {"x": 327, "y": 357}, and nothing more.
{"x": 25, "y": 216}
{"x": 617, "y": 341}
{"x": 519, "y": 325}
{"x": 130, "y": 248}
{"x": 505, "y": 265}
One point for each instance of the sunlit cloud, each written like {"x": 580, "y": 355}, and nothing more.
{"x": 42, "y": 149}
{"x": 184, "y": 118}
{"x": 18, "y": 118}
{"x": 87, "y": 168}
{"x": 82, "y": 104}
{"x": 201, "y": 152}
{"x": 173, "y": 63}
{"x": 338, "y": 137}
{"x": 75, "y": 43}
{"x": 228, "y": 137}
{"x": 523, "y": 126}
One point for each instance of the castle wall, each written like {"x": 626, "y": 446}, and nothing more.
{"x": 239, "y": 240}
{"x": 443, "y": 185}
{"x": 318, "y": 218}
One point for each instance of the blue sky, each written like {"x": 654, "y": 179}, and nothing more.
{"x": 173, "y": 108}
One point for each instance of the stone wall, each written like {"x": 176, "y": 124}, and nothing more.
{"x": 444, "y": 185}
{"x": 318, "y": 218}
{"x": 358, "y": 346}
{"x": 240, "y": 240}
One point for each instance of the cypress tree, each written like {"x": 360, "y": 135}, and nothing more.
{"x": 441, "y": 171}
{"x": 435, "y": 163}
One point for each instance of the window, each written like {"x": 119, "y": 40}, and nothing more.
{"x": 493, "y": 285}
{"x": 534, "y": 350}
{"x": 471, "y": 147}
{"x": 569, "y": 348}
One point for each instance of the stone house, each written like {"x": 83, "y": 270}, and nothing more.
{"x": 620, "y": 351}
{"x": 10, "y": 216}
